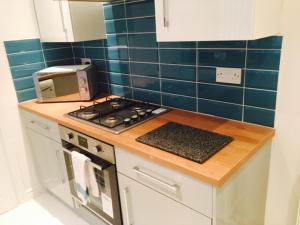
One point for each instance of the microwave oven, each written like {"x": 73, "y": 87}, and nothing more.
{"x": 68, "y": 84}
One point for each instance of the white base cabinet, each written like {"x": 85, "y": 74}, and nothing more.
{"x": 152, "y": 194}
{"x": 48, "y": 154}
{"x": 142, "y": 205}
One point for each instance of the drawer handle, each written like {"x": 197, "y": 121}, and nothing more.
{"x": 173, "y": 187}
{"x": 38, "y": 123}
{"x": 126, "y": 204}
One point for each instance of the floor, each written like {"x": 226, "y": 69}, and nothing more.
{"x": 44, "y": 210}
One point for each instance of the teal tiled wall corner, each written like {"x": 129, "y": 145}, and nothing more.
{"x": 175, "y": 74}
{"x": 28, "y": 56}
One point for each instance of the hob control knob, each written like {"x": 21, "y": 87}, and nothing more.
{"x": 149, "y": 112}
{"x": 98, "y": 148}
{"x": 127, "y": 121}
{"x": 69, "y": 136}
{"x": 134, "y": 117}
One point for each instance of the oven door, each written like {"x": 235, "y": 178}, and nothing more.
{"x": 107, "y": 206}
{"x": 57, "y": 87}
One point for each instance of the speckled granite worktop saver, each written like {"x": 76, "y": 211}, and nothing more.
{"x": 188, "y": 142}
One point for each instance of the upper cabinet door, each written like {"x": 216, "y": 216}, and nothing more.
{"x": 202, "y": 20}
{"x": 70, "y": 21}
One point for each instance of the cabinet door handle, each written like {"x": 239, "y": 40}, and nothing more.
{"x": 40, "y": 124}
{"x": 126, "y": 206}
{"x": 165, "y": 16}
{"x": 173, "y": 187}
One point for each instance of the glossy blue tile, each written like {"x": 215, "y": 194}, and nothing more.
{"x": 262, "y": 79}
{"x": 274, "y": 42}
{"x": 178, "y": 56}
{"x": 95, "y": 43}
{"x": 178, "y": 72}
{"x": 179, "y": 102}
{"x": 222, "y": 44}
{"x": 57, "y": 54}
{"x": 259, "y": 116}
{"x": 142, "y": 40}
{"x": 260, "y": 98}
{"x": 26, "y": 70}
{"x": 94, "y": 53}
{"x": 141, "y": 25}
{"x": 100, "y": 64}
{"x": 78, "y": 52}
{"x": 120, "y": 79}
{"x": 26, "y": 95}
{"x": 145, "y": 83}
{"x": 24, "y": 83}
{"x": 118, "y": 67}
{"x": 177, "y": 44}
{"x": 221, "y": 93}
{"x": 179, "y": 87}
{"x": 50, "y": 45}
{"x": 117, "y": 53}
{"x": 116, "y": 40}
{"x": 102, "y": 77}
{"x": 223, "y": 58}
{"x": 140, "y": 9}
{"x": 143, "y": 55}
{"x": 263, "y": 59}
{"x": 221, "y": 109}
{"x": 208, "y": 75}
{"x": 22, "y": 46}
{"x": 144, "y": 69}
{"x": 114, "y": 11}
{"x": 147, "y": 96}
{"x": 25, "y": 58}
{"x": 115, "y": 26}
{"x": 60, "y": 62}
{"x": 120, "y": 91}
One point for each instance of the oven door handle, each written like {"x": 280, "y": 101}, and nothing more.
{"x": 99, "y": 167}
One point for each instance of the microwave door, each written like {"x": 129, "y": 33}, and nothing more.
{"x": 59, "y": 87}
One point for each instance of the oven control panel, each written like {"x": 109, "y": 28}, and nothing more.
{"x": 92, "y": 145}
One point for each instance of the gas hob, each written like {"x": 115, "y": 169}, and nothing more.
{"x": 118, "y": 114}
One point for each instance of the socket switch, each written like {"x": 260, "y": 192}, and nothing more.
{"x": 229, "y": 75}
{"x": 86, "y": 61}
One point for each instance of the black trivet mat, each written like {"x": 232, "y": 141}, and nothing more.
{"x": 188, "y": 142}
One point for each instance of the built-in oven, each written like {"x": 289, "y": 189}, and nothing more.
{"x": 107, "y": 205}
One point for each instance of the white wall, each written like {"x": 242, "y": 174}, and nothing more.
{"x": 284, "y": 183}
{"x": 17, "y": 21}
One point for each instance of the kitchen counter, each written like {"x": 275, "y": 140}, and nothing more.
{"x": 248, "y": 139}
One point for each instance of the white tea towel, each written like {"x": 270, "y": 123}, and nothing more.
{"x": 93, "y": 185}
{"x": 80, "y": 169}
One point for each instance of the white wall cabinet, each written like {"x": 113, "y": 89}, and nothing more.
{"x": 49, "y": 158}
{"x": 202, "y": 20}
{"x": 70, "y": 21}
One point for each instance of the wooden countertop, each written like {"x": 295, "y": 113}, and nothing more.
{"x": 248, "y": 139}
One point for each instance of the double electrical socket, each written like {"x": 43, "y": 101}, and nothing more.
{"x": 229, "y": 75}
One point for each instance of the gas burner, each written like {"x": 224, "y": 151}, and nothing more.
{"x": 115, "y": 104}
{"x": 111, "y": 121}
{"x": 87, "y": 115}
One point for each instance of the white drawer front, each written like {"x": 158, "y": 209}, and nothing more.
{"x": 41, "y": 125}
{"x": 177, "y": 186}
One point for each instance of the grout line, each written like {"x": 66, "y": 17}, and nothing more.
{"x": 73, "y": 53}
{"x": 24, "y": 52}
{"x": 197, "y": 73}
{"x": 130, "y": 18}
{"x": 244, "y": 82}
{"x": 28, "y": 64}
{"x": 128, "y": 52}
{"x": 159, "y": 74}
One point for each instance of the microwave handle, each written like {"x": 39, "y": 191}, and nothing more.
{"x": 99, "y": 167}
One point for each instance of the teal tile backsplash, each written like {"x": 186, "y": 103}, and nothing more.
{"x": 176, "y": 74}
{"x": 25, "y": 57}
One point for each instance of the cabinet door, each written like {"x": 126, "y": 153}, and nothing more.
{"x": 144, "y": 206}
{"x": 50, "y": 165}
{"x": 201, "y": 20}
